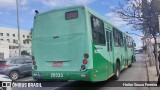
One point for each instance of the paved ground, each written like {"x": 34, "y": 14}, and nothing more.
{"x": 152, "y": 77}
{"x": 137, "y": 72}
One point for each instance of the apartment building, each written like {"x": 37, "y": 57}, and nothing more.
{"x": 9, "y": 38}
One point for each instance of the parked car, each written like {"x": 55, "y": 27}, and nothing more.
{"x": 4, "y": 78}
{"x": 16, "y": 67}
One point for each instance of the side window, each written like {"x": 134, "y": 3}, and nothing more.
{"x": 110, "y": 41}
{"x": 19, "y": 61}
{"x": 129, "y": 42}
{"x": 12, "y": 61}
{"x": 28, "y": 61}
{"x": 115, "y": 34}
{"x": 118, "y": 38}
{"x": 98, "y": 34}
{"x": 107, "y": 38}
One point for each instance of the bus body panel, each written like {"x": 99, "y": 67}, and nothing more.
{"x": 58, "y": 40}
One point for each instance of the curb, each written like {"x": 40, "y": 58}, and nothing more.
{"x": 148, "y": 79}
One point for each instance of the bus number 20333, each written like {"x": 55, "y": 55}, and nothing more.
{"x": 56, "y": 74}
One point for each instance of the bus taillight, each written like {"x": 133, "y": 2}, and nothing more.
{"x": 86, "y": 56}
{"x": 35, "y": 67}
{"x": 85, "y": 61}
{"x": 34, "y": 62}
{"x": 83, "y": 67}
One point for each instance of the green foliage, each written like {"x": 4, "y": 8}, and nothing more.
{"x": 25, "y": 53}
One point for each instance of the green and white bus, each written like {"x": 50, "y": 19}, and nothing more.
{"x": 75, "y": 43}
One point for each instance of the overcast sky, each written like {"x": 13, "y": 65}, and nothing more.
{"x": 27, "y": 7}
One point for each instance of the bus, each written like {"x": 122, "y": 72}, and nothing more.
{"x": 76, "y": 43}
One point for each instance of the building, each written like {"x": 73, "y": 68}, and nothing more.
{"x": 9, "y": 40}
{"x": 4, "y": 50}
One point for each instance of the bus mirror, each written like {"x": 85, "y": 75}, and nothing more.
{"x": 134, "y": 44}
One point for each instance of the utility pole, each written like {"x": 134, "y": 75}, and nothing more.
{"x": 19, "y": 42}
{"x": 159, "y": 31}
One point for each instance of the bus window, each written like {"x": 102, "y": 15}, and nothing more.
{"x": 98, "y": 34}
{"x": 110, "y": 34}
{"x": 118, "y": 38}
{"x": 107, "y": 38}
{"x": 71, "y": 15}
{"x": 129, "y": 42}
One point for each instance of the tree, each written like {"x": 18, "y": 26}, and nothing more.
{"x": 143, "y": 16}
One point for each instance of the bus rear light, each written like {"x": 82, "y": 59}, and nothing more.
{"x": 33, "y": 58}
{"x": 57, "y": 64}
{"x": 83, "y": 67}
{"x": 85, "y": 61}
{"x": 35, "y": 67}
{"x": 34, "y": 62}
{"x": 86, "y": 56}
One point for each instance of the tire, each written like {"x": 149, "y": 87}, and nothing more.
{"x": 14, "y": 75}
{"x": 131, "y": 62}
{"x": 116, "y": 76}
{"x": 130, "y": 65}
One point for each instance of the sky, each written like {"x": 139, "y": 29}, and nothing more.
{"x": 27, "y": 7}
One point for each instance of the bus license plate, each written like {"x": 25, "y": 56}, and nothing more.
{"x": 56, "y": 74}
{"x": 57, "y": 64}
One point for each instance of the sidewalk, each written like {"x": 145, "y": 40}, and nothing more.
{"x": 152, "y": 74}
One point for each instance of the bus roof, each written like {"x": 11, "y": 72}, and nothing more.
{"x": 102, "y": 18}
{"x": 58, "y": 9}
{"x": 88, "y": 9}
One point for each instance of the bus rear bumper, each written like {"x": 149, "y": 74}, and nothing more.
{"x": 50, "y": 75}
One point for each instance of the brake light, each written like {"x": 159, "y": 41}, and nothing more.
{"x": 34, "y": 62}
{"x": 86, "y": 56}
{"x": 4, "y": 65}
{"x": 85, "y": 61}
{"x": 56, "y": 64}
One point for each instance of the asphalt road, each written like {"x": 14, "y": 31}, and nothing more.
{"x": 136, "y": 73}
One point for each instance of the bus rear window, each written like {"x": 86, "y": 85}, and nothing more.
{"x": 71, "y": 15}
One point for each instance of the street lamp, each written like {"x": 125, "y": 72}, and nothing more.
{"x": 19, "y": 42}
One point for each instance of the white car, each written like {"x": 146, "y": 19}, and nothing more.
{"x": 4, "y": 78}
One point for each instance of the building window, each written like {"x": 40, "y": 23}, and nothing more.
{"x": 13, "y": 35}
{"x": 13, "y": 47}
{"x": 23, "y": 36}
{"x": 8, "y": 40}
{"x": 98, "y": 33}
{"x": 7, "y": 34}
{"x": 1, "y": 39}
{"x": 15, "y": 41}
{"x": 24, "y": 41}
{"x": 1, "y": 34}
{"x": 27, "y": 36}
{"x": 27, "y": 41}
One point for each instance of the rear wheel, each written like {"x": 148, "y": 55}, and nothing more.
{"x": 116, "y": 76}
{"x": 131, "y": 62}
{"x": 14, "y": 75}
